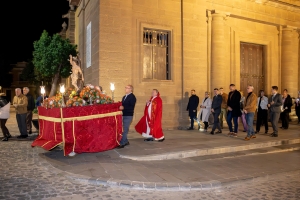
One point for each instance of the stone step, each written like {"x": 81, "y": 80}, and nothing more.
{"x": 267, "y": 150}
{"x": 244, "y": 146}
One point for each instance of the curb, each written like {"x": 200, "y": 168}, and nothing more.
{"x": 211, "y": 151}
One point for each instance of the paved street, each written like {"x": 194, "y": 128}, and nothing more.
{"x": 32, "y": 173}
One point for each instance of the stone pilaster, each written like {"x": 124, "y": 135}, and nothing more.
{"x": 289, "y": 60}
{"x": 218, "y": 64}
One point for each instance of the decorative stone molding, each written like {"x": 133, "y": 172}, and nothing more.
{"x": 279, "y": 4}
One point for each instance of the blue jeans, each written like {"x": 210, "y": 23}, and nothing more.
{"x": 235, "y": 121}
{"x": 126, "y": 123}
{"x": 249, "y": 120}
{"x": 21, "y": 120}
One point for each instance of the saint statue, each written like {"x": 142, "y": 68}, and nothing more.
{"x": 76, "y": 70}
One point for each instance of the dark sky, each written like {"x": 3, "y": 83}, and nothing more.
{"x": 22, "y": 23}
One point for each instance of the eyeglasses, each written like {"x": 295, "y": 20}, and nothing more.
{"x": 127, "y": 88}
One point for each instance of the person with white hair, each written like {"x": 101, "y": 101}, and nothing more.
{"x": 20, "y": 103}
{"x": 249, "y": 109}
{"x": 4, "y": 115}
{"x": 30, "y": 108}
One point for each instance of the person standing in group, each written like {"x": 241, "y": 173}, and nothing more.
{"x": 216, "y": 110}
{"x": 149, "y": 125}
{"x": 286, "y": 109}
{"x": 234, "y": 110}
{"x": 4, "y": 115}
{"x": 275, "y": 103}
{"x": 205, "y": 110}
{"x": 297, "y": 107}
{"x": 192, "y": 108}
{"x": 20, "y": 103}
{"x": 249, "y": 110}
{"x": 224, "y": 106}
{"x": 243, "y": 116}
{"x": 30, "y": 108}
{"x": 128, "y": 104}
{"x": 262, "y": 112}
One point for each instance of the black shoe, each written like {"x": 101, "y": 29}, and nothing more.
{"x": 127, "y": 143}
{"x": 284, "y": 128}
{"x": 256, "y": 131}
{"x": 274, "y": 135}
{"x": 5, "y": 139}
{"x": 22, "y": 136}
{"x": 148, "y": 139}
{"x": 190, "y": 128}
{"x": 212, "y": 132}
{"x": 30, "y": 132}
{"x": 266, "y": 132}
{"x": 9, "y": 136}
{"x": 219, "y": 132}
{"x": 120, "y": 146}
{"x": 161, "y": 140}
{"x": 280, "y": 127}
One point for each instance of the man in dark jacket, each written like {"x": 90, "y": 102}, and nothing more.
{"x": 216, "y": 110}
{"x": 30, "y": 108}
{"x": 192, "y": 108}
{"x": 286, "y": 109}
{"x": 128, "y": 104}
{"x": 234, "y": 109}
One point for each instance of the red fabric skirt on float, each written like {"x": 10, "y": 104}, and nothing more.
{"x": 92, "y": 128}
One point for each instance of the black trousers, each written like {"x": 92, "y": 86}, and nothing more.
{"x": 298, "y": 112}
{"x": 216, "y": 122}
{"x": 284, "y": 116}
{"x": 262, "y": 117}
{"x": 192, "y": 117}
{"x": 4, "y": 128}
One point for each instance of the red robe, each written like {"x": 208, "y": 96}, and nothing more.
{"x": 154, "y": 121}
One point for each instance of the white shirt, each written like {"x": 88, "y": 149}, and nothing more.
{"x": 263, "y": 104}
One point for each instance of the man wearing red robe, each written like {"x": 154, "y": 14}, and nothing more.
{"x": 149, "y": 125}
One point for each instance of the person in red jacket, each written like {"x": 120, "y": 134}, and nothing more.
{"x": 149, "y": 125}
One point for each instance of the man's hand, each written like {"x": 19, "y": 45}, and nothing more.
{"x": 212, "y": 110}
{"x": 121, "y": 107}
{"x": 245, "y": 111}
{"x": 229, "y": 108}
{"x": 269, "y": 105}
{"x": 272, "y": 102}
{"x": 194, "y": 110}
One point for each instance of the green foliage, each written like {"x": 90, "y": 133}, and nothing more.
{"x": 51, "y": 54}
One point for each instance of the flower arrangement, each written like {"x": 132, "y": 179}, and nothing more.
{"x": 53, "y": 102}
{"x": 88, "y": 95}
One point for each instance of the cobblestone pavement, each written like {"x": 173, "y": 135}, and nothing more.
{"x": 24, "y": 176}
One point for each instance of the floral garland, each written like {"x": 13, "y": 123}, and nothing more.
{"x": 88, "y": 96}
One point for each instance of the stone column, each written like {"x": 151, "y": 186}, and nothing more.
{"x": 289, "y": 60}
{"x": 218, "y": 64}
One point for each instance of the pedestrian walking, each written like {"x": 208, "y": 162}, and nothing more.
{"x": 30, "y": 108}
{"x": 20, "y": 103}
{"x": 262, "y": 112}
{"x": 216, "y": 110}
{"x": 234, "y": 110}
{"x": 192, "y": 108}
{"x": 275, "y": 103}
{"x": 4, "y": 115}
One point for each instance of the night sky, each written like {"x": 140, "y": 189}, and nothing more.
{"x": 22, "y": 23}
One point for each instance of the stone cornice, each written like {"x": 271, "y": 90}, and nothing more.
{"x": 279, "y": 4}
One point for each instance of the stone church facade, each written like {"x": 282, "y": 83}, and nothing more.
{"x": 179, "y": 45}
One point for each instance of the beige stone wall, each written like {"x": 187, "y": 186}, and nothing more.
{"x": 212, "y": 32}
{"x": 88, "y": 11}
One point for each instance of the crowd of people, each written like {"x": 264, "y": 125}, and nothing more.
{"x": 235, "y": 106}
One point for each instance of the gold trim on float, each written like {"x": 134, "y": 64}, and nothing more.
{"x": 53, "y": 119}
{"x": 74, "y": 136}
{"x": 117, "y": 130}
{"x": 55, "y": 146}
{"x": 62, "y": 129}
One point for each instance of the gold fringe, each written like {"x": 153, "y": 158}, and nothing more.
{"x": 74, "y": 136}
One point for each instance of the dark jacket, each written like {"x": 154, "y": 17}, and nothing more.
{"x": 233, "y": 102}
{"x": 193, "y": 105}
{"x": 288, "y": 103}
{"x": 216, "y": 104}
{"x": 128, "y": 104}
{"x": 276, "y": 107}
{"x": 3, "y": 102}
{"x": 31, "y": 103}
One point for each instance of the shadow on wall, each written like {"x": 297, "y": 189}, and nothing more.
{"x": 183, "y": 115}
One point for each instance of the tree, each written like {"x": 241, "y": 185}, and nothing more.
{"x": 50, "y": 58}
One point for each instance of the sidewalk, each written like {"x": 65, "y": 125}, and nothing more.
{"x": 186, "y": 160}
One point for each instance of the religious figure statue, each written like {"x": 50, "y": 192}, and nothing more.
{"x": 76, "y": 70}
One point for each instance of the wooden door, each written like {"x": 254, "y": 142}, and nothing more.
{"x": 252, "y": 67}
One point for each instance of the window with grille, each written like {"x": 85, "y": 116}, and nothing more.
{"x": 156, "y": 54}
